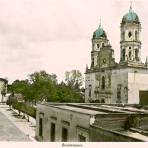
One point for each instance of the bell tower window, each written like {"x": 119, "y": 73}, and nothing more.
{"x": 136, "y": 35}
{"x": 98, "y": 45}
{"x": 123, "y": 54}
{"x": 123, "y": 35}
{"x": 103, "y": 83}
{"x": 130, "y": 55}
{"x": 129, "y": 34}
{"x": 92, "y": 61}
{"x": 136, "y": 54}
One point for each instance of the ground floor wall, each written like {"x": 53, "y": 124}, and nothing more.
{"x": 119, "y": 86}
{"x": 137, "y": 82}
{"x": 90, "y": 85}
{"x": 58, "y": 125}
{"x": 122, "y": 85}
{"x": 74, "y": 124}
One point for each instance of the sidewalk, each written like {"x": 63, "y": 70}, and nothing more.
{"x": 28, "y": 128}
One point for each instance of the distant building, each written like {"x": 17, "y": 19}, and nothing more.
{"x": 90, "y": 123}
{"x": 3, "y": 89}
{"x": 110, "y": 82}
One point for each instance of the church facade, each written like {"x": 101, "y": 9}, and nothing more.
{"x": 107, "y": 81}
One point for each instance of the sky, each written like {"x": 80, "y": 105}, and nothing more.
{"x": 55, "y": 35}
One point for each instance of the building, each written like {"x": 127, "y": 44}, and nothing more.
{"x": 91, "y": 123}
{"x": 109, "y": 82}
{"x": 3, "y": 89}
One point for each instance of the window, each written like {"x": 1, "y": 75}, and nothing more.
{"x": 130, "y": 55}
{"x": 123, "y": 35}
{"x": 136, "y": 35}
{"x": 102, "y": 44}
{"x": 92, "y": 62}
{"x": 102, "y": 101}
{"x": 103, "y": 83}
{"x": 64, "y": 134}
{"x": 136, "y": 54}
{"x": 41, "y": 127}
{"x": 52, "y": 132}
{"x": 129, "y": 34}
{"x": 82, "y": 138}
{"x": 98, "y": 45}
{"x": 123, "y": 54}
{"x": 119, "y": 93}
{"x": 89, "y": 90}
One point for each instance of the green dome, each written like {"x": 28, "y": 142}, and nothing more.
{"x": 130, "y": 17}
{"x": 99, "y": 33}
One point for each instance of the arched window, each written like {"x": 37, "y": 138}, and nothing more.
{"x": 136, "y": 54}
{"x": 130, "y": 55}
{"x": 123, "y": 54}
{"x": 129, "y": 34}
{"x": 98, "y": 45}
{"x": 119, "y": 93}
{"x": 102, "y": 44}
{"x": 92, "y": 62}
{"x": 103, "y": 83}
{"x": 102, "y": 101}
{"x": 123, "y": 35}
{"x": 89, "y": 91}
{"x": 136, "y": 35}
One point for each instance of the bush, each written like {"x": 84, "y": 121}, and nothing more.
{"x": 24, "y": 108}
{"x": 133, "y": 121}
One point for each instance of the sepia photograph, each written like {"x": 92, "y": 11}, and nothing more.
{"x": 73, "y": 72}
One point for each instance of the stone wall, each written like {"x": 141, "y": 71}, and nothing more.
{"x": 76, "y": 123}
{"x": 90, "y": 83}
{"x": 102, "y": 135}
{"x": 137, "y": 80}
{"x": 111, "y": 121}
{"x": 119, "y": 78}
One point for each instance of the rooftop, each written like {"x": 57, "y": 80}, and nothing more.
{"x": 128, "y": 120}
{"x": 97, "y": 108}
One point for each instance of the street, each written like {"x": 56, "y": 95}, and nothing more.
{"x": 13, "y": 127}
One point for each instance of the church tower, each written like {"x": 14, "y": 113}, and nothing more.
{"x": 130, "y": 44}
{"x": 98, "y": 76}
{"x": 109, "y": 82}
{"x": 99, "y": 40}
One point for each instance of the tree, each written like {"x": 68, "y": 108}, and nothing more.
{"x": 43, "y": 86}
{"x": 74, "y": 79}
{"x": 18, "y": 86}
{"x": 42, "y": 75}
{"x": 69, "y": 95}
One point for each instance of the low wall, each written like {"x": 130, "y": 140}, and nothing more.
{"x": 102, "y": 135}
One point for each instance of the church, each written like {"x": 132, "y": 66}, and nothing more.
{"x": 107, "y": 81}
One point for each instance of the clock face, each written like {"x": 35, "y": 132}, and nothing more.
{"x": 104, "y": 61}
